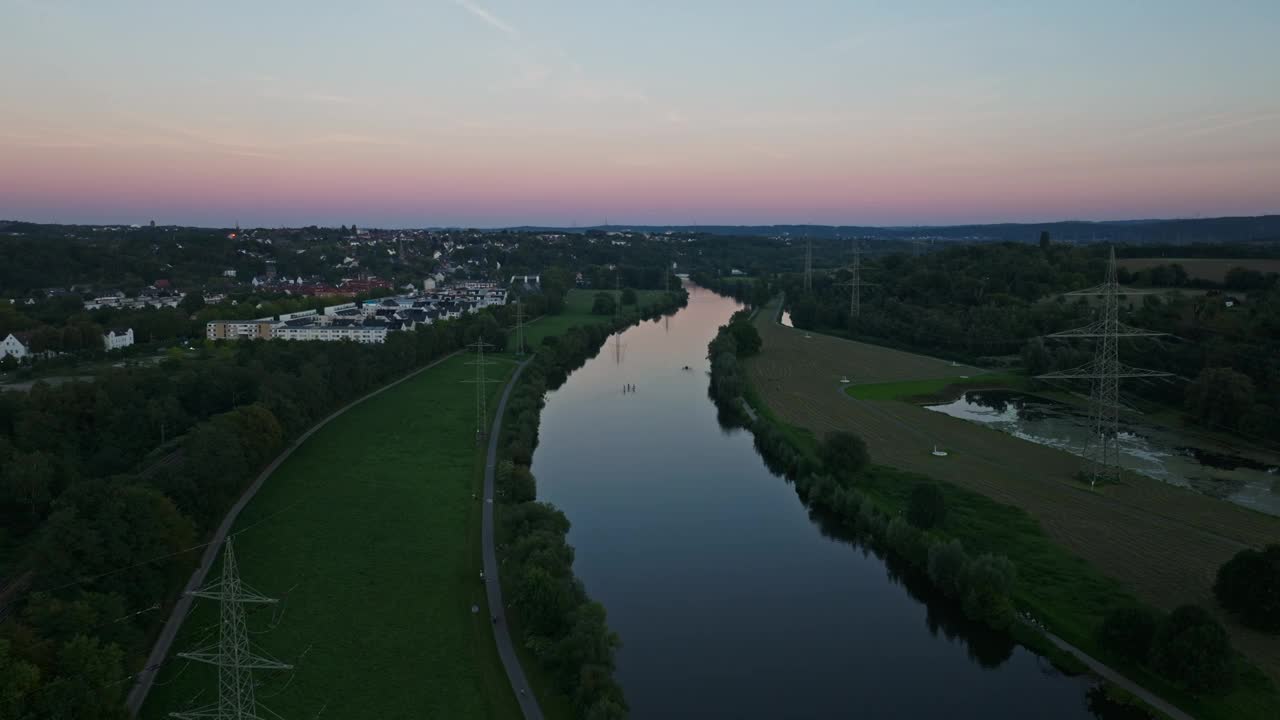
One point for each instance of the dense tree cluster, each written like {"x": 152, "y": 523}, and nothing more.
{"x": 1249, "y": 586}
{"x": 738, "y": 339}
{"x": 844, "y": 454}
{"x": 566, "y": 631}
{"x": 1192, "y": 649}
{"x": 105, "y": 487}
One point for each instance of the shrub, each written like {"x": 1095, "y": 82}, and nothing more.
{"x": 947, "y": 566}
{"x": 1249, "y": 586}
{"x": 603, "y": 304}
{"x": 1128, "y": 631}
{"x": 927, "y": 507}
{"x": 746, "y": 337}
{"x": 844, "y": 454}
{"x": 988, "y": 582}
{"x": 1192, "y": 649}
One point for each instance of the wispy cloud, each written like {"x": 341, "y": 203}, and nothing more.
{"x": 1198, "y": 126}
{"x": 488, "y": 17}
{"x": 308, "y": 96}
{"x": 1231, "y": 124}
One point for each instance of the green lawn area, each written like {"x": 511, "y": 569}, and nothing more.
{"x": 375, "y": 553}
{"x": 577, "y": 311}
{"x": 934, "y": 388}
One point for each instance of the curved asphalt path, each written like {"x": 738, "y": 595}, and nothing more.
{"x": 147, "y": 675}
{"x": 493, "y": 587}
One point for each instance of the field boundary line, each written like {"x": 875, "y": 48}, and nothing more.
{"x": 778, "y": 321}
{"x": 146, "y": 676}
{"x": 493, "y": 579}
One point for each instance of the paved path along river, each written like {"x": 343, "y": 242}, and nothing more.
{"x": 493, "y": 588}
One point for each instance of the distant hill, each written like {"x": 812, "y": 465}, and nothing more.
{"x": 1264, "y": 228}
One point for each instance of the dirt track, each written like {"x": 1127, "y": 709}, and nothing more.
{"x": 1164, "y": 543}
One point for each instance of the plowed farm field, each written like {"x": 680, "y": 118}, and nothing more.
{"x": 1163, "y": 543}
{"x": 1214, "y": 269}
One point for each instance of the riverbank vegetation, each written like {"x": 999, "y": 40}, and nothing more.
{"x": 108, "y": 490}
{"x": 556, "y": 623}
{"x": 993, "y": 560}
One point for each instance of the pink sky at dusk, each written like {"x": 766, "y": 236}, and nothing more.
{"x": 490, "y": 114}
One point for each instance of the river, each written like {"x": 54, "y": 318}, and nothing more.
{"x": 730, "y": 599}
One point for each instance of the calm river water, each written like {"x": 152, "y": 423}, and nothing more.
{"x": 731, "y": 600}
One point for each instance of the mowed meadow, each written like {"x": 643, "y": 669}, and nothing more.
{"x": 369, "y": 534}
{"x": 577, "y": 311}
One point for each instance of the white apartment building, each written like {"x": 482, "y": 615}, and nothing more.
{"x": 259, "y": 329}
{"x": 360, "y": 333}
{"x": 117, "y": 338}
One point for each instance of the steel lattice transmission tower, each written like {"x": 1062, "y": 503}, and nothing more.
{"x": 808, "y": 265}
{"x": 481, "y": 382}
{"x": 519, "y": 328}
{"x": 233, "y": 653}
{"x": 856, "y": 283}
{"x": 1102, "y": 449}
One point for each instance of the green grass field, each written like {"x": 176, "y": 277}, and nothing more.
{"x": 370, "y": 535}
{"x": 935, "y": 388}
{"x": 577, "y": 311}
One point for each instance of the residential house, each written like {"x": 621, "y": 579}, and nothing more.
{"x": 16, "y": 345}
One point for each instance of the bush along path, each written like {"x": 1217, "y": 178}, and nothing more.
{"x": 996, "y": 563}
{"x": 563, "y": 631}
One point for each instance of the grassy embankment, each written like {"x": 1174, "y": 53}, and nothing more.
{"x": 936, "y": 389}
{"x": 370, "y": 535}
{"x": 577, "y": 311}
{"x": 1056, "y": 586}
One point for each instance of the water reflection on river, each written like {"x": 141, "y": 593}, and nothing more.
{"x": 732, "y": 601}
{"x": 1160, "y": 454}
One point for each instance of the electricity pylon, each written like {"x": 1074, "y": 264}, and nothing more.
{"x": 1102, "y": 448}
{"x": 856, "y": 284}
{"x": 808, "y": 265}
{"x": 482, "y": 397}
{"x": 519, "y": 328}
{"x": 233, "y": 653}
